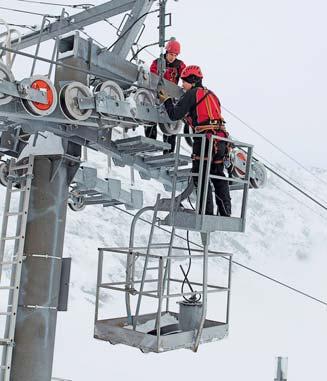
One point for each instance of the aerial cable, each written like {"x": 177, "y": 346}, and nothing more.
{"x": 131, "y": 26}
{"x": 273, "y": 144}
{"x": 289, "y": 177}
{"x": 295, "y": 186}
{"x": 299, "y": 201}
{"x": 30, "y": 12}
{"x": 138, "y": 46}
{"x": 305, "y": 294}
{"x": 30, "y": 27}
{"x": 82, "y": 6}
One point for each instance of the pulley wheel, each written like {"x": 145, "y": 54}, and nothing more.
{"x": 144, "y": 97}
{"x": 239, "y": 163}
{"x": 68, "y": 101}
{"x": 112, "y": 89}
{"x": 7, "y": 75}
{"x": 171, "y": 128}
{"x": 76, "y": 203}
{"x": 258, "y": 177}
{"x": 4, "y": 173}
{"x": 43, "y": 84}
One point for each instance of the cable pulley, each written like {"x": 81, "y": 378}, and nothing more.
{"x": 258, "y": 177}
{"x": 238, "y": 159}
{"x": 112, "y": 90}
{"x": 68, "y": 101}
{"x": 43, "y": 84}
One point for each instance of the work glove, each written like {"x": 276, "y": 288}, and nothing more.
{"x": 163, "y": 95}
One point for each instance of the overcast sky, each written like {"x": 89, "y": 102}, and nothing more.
{"x": 266, "y": 60}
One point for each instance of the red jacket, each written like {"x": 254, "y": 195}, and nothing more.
{"x": 173, "y": 70}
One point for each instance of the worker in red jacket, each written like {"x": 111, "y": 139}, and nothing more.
{"x": 174, "y": 68}
{"x": 201, "y": 108}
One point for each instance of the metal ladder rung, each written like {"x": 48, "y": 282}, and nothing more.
{"x": 5, "y": 342}
{"x": 10, "y": 238}
{"x": 7, "y": 287}
{"x": 6, "y": 313}
{"x": 153, "y": 268}
{"x": 9, "y": 214}
{"x": 18, "y": 190}
{"x": 17, "y": 167}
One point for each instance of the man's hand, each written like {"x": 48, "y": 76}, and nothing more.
{"x": 163, "y": 95}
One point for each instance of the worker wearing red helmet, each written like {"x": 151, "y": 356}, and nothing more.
{"x": 201, "y": 109}
{"x": 174, "y": 68}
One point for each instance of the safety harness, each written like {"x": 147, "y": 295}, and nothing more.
{"x": 214, "y": 125}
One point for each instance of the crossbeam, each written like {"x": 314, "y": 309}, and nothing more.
{"x": 78, "y": 21}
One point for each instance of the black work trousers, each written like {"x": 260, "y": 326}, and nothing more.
{"x": 221, "y": 187}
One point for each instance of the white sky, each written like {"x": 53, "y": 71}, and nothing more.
{"x": 265, "y": 60}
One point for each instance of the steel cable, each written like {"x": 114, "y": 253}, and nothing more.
{"x": 273, "y": 144}
{"x": 305, "y": 294}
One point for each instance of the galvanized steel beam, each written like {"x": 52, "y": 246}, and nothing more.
{"x": 78, "y": 21}
{"x": 132, "y": 27}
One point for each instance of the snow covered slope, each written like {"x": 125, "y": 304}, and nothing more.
{"x": 285, "y": 238}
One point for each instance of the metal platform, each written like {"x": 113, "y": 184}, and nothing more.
{"x": 140, "y": 144}
{"x": 116, "y": 332}
{"x": 167, "y": 161}
{"x": 189, "y": 220}
{"x": 107, "y": 192}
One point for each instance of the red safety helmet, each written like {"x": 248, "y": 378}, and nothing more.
{"x": 192, "y": 70}
{"x": 173, "y": 46}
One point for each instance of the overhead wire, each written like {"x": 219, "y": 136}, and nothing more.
{"x": 138, "y": 46}
{"x": 82, "y": 6}
{"x": 299, "y": 201}
{"x": 273, "y": 144}
{"x": 277, "y": 168}
{"x": 274, "y": 280}
{"x": 30, "y": 12}
{"x": 131, "y": 26}
{"x": 295, "y": 186}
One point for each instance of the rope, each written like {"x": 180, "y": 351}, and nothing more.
{"x": 274, "y": 145}
{"x": 82, "y": 6}
{"x": 278, "y": 168}
{"x": 305, "y": 294}
{"x": 30, "y": 13}
{"x": 130, "y": 27}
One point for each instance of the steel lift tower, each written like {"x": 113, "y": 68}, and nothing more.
{"x": 89, "y": 97}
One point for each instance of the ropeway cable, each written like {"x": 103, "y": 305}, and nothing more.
{"x": 277, "y": 168}
{"x": 295, "y": 186}
{"x": 300, "y": 202}
{"x": 305, "y": 294}
{"x": 82, "y": 6}
{"x": 273, "y": 144}
{"x": 131, "y": 26}
{"x": 30, "y": 12}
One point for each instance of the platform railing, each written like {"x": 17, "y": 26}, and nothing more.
{"x": 204, "y": 175}
{"x": 162, "y": 286}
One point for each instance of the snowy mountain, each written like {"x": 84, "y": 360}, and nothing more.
{"x": 285, "y": 239}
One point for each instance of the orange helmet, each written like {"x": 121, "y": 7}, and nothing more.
{"x": 192, "y": 70}
{"x": 173, "y": 46}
